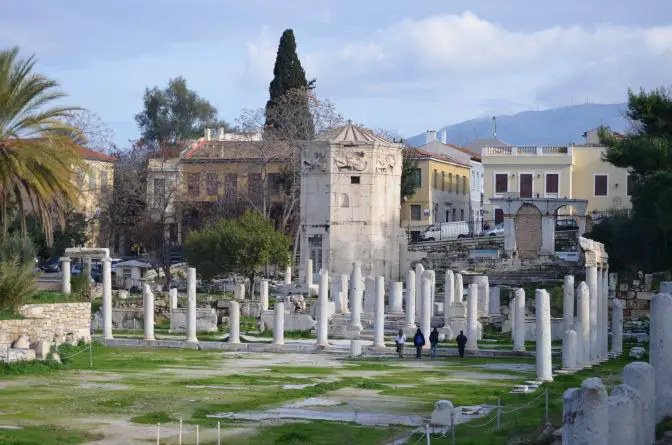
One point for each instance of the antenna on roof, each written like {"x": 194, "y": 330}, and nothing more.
{"x": 494, "y": 127}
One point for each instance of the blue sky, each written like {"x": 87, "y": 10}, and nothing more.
{"x": 406, "y": 66}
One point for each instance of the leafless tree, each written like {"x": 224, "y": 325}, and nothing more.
{"x": 96, "y": 133}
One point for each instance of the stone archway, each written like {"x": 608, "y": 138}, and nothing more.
{"x": 528, "y": 231}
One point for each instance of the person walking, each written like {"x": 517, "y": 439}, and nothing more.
{"x": 433, "y": 341}
{"x": 461, "y": 343}
{"x": 400, "y": 339}
{"x": 419, "y": 342}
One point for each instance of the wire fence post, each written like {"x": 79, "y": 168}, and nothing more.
{"x": 499, "y": 413}
{"x": 91, "y": 354}
{"x": 158, "y": 433}
{"x": 219, "y": 434}
{"x": 546, "y": 410}
{"x": 452, "y": 424}
{"x": 427, "y": 433}
{"x": 197, "y": 436}
{"x": 179, "y": 435}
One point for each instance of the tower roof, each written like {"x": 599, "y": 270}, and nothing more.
{"x": 351, "y": 133}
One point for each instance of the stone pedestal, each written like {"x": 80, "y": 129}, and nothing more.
{"x": 519, "y": 321}
{"x": 586, "y": 414}
{"x": 568, "y": 302}
{"x": 543, "y": 357}
{"x": 107, "y": 298}
{"x": 263, "y": 294}
{"x": 322, "y": 313}
{"x": 234, "y": 322}
{"x": 279, "y": 323}
{"x": 660, "y": 353}
{"x": 356, "y": 293}
{"x": 625, "y": 409}
{"x": 569, "y": 350}
{"x": 591, "y": 281}
{"x": 148, "y": 306}
{"x": 472, "y": 318}
{"x": 642, "y": 378}
{"x": 583, "y": 312}
{"x": 426, "y": 314}
{"x": 459, "y": 288}
{"x": 410, "y": 299}
{"x": 65, "y": 275}
{"x": 172, "y": 297}
{"x": 483, "y": 294}
{"x": 396, "y": 298}
{"x": 191, "y": 306}
{"x": 379, "y": 314}
{"x": 616, "y": 327}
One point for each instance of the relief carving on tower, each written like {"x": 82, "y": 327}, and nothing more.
{"x": 351, "y": 161}
{"x": 315, "y": 160}
{"x": 385, "y": 163}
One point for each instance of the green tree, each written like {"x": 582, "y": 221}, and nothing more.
{"x": 71, "y": 234}
{"x": 38, "y": 158}
{"x": 408, "y": 182}
{"x": 242, "y": 245}
{"x": 17, "y": 278}
{"x": 175, "y": 113}
{"x": 288, "y": 75}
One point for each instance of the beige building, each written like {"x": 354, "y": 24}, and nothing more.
{"x": 96, "y": 184}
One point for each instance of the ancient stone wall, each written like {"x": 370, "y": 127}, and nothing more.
{"x": 48, "y": 322}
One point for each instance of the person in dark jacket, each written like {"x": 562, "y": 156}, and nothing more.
{"x": 418, "y": 342}
{"x": 461, "y": 343}
{"x": 433, "y": 341}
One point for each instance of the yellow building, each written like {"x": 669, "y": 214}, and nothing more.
{"x": 442, "y": 194}
{"x": 571, "y": 172}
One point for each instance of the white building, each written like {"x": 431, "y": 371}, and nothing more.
{"x": 350, "y": 202}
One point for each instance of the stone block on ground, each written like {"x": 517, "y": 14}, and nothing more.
{"x": 23, "y": 342}
{"x": 206, "y": 320}
{"x": 41, "y": 349}
{"x": 444, "y": 414}
{"x": 637, "y": 352}
{"x": 355, "y": 348}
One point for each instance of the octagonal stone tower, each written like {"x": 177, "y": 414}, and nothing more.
{"x": 350, "y": 202}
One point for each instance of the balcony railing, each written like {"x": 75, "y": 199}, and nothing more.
{"x": 529, "y": 150}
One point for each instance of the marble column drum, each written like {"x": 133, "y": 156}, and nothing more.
{"x": 263, "y": 294}
{"x": 66, "y": 286}
{"x": 586, "y": 414}
{"x": 234, "y": 322}
{"x": 642, "y": 377}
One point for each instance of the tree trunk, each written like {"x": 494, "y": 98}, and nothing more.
{"x": 296, "y": 246}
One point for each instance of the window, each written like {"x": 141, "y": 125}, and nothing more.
{"x": 464, "y": 186}
{"x": 457, "y": 184}
{"x": 461, "y": 214}
{"x": 211, "y": 184}
{"x": 443, "y": 181}
{"x": 159, "y": 192}
{"x": 501, "y": 182}
{"x": 499, "y": 216}
{"x": 274, "y": 183}
{"x": 552, "y": 183}
{"x": 526, "y": 189}
{"x": 630, "y": 185}
{"x": 315, "y": 251}
{"x": 601, "y": 185}
{"x": 103, "y": 182}
{"x": 435, "y": 180}
{"x": 454, "y": 214}
{"x": 450, "y": 182}
{"x": 447, "y": 215}
{"x": 416, "y": 213}
{"x": 194, "y": 184}
{"x": 354, "y": 180}
{"x": 254, "y": 189}
{"x": 417, "y": 177}
{"x": 230, "y": 185}
{"x": 92, "y": 180}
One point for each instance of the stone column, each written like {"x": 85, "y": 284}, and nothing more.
{"x": 448, "y": 296}
{"x": 509, "y": 234}
{"x": 239, "y": 292}
{"x": 322, "y": 310}
{"x": 483, "y": 294}
{"x": 625, "y": 411}
{"x": 605, "y": 311}
{"x": 616, "y": 327}
{"x": 613, "y": 283}
{"x": 569, "y": 350}
{"x": 396, "y": 296}
{"x": 148, "y": 307}
{"x": 544, "y": 361}
{"x": 369, "y": 294}
{"x": 288, "y": 274}
{"x": 172, "y": 297}
{"x": 234, "y": 322}
{"x": 472, "y": 317}
{"x": 583, "y": 313}
{"x": 568, "y": 302}
{"x": 548, "y": 234}
{"x": 65, "y": 275}
{"x": 356, "y": 291}
{"x": 494, "y": 301}
{"x": 642, "y": 377}
{"x": 600, "y": 309}
{"x": 459, "y": 288}
{"x": 419, "y": 270}
{"x": 660, "y": 353}
{"x": 345, "y": 285}
{"x": 432, "y": 276}
{"x": 591, "y": 281}
{"x": 410, "y": 299}
{"x": 578, "y": 329}
{"x": 279, "y": 323}
{"x": 191, "y": 306}
{"x": 309, "y": 274}
{"x": 519, "y": 321}
{"x": 379, "y": 314}
{"x": 426, "y": 314}
{"x": 586, "y": 414}
{"x": 263, "y": 293}
{"x": 107, "y": 298}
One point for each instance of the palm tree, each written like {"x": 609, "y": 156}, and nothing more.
{"x": 38, "y": 154}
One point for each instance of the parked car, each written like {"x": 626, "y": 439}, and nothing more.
{"x": 565, "y": 225}
{"x": 496, "y": 231}
{"x": 445, "y": 230}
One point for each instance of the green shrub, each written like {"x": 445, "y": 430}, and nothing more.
{"x": 17, "y": 278}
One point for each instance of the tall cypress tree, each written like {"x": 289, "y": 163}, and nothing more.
{"x": 289, "y": 75}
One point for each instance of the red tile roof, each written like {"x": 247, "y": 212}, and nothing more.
{"x": 417, "y": 153}
{"x": 94, "y": 155}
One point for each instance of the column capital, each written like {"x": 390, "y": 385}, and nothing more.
{"x": 65, "y": 259}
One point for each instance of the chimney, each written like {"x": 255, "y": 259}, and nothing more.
{"x": 431, "y": 136}
{"x": 444, "y": 136}
{"x": 221, "y": 134}
{"x": 208, "y": 134}
{"x": 494, "y": 127}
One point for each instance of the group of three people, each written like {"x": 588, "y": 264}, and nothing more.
{"x": 419, "y": 342}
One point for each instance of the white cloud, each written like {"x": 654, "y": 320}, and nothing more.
{"x": 468, "y": 61}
